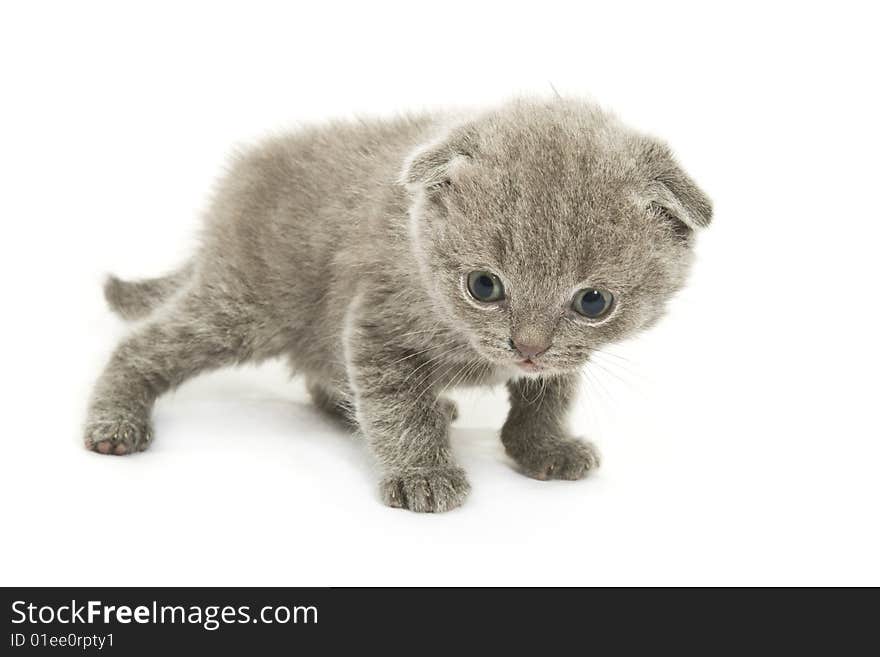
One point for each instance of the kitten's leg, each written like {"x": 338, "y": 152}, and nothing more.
{"x": 195, "y": 334}
{"x": 406, "y": 425}
{"x": 331, "y": 402}
{"x": 535, "y": 433}
{"x": 342, "y": 408}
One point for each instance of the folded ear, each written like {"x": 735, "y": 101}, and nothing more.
{"x": 673, "y": 192}
{"x": 432, "y": 167}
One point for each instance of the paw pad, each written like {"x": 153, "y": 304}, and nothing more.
{"x": 117, "y": 437}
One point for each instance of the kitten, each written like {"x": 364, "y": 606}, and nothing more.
{"x": 392, "y": 261}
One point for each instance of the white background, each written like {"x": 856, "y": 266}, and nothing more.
{"x": 740, "y": 437}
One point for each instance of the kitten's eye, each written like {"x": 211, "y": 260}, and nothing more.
{"x": 592, "y": 303}
{"x": 485, "y": 286}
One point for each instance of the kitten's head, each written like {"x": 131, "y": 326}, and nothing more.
{"x": 544, "y": 230}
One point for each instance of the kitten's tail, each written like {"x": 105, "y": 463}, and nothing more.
{"x": 137, "y": 299}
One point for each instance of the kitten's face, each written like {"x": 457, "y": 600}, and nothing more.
{"x": 547, "y": 231}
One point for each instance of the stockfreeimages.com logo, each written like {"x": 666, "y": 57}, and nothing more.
{"x": 210, "y": 617}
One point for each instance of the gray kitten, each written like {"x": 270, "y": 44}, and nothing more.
{"x": 392, "y": 261}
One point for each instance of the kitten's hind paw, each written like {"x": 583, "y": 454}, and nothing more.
{"x": 117, "y": 436}
{"x": 561, "y": 458}
{"x": 426, "y": 490}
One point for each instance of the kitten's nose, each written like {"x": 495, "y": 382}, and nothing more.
{"x": 529, "y": 350}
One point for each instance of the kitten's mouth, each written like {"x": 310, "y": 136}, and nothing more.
{"x": 529, "y": 365}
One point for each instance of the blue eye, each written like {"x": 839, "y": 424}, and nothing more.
{"x": 485, "y": 286}
{"x": 592, "y": 303}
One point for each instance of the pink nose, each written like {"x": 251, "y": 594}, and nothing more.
{"x": 529, "y": 350}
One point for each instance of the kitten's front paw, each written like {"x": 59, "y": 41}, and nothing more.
{"x": 116, "y": 435}
{"x": 559, "y": 458}
{"x": 426, "y": 490}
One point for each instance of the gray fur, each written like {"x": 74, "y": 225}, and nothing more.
{"x": 344, "y": 248}
{"x": 137, "y": 299}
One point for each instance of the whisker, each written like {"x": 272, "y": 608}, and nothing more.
{"x": 541, "y": 387}
{"x": 605, "y": 352}
{"x": 631, "y": 377}
{"x": 541, "y": 393}
{"x": 433, "y": 380}
{"x": 431, "y": 360}
{"x": 434, "y": 330}
{"x": 430, "y": 376}
{"x": 620, "y": 362}
{"x": 606, "y": 370}
{"x": 592, "y": 393}
{"x": 423, "y": 351}
{"x": 476, "y": 362}
{"x": 455, "y": 378}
